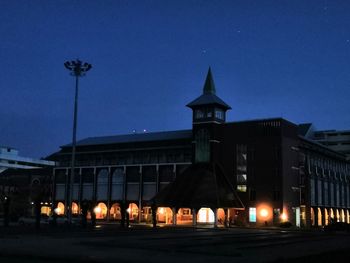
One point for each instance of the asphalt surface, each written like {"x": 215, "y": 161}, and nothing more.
{"x": 107, "y": 243}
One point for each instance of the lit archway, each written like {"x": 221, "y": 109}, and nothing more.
{"x": 100, "y": 211}
{"x": 319, "y": 217}
{"x": 331, "y": 216}
{"x": 133, "y": 211}
{"x": 313, "y": 223}
{"x": 45, "y": 209}
{"x": 115, "y": 212}
{"x": 326, "y": 216}
{"x": 342, "y": 215}
{"x": 184, "y": 216}
{"x": 59, "y": 210}
{"x": 221, "y": 216}
{"x": 75, "y": 208}
{"x": 164, "y": 215}
{"x": 205, "y": 215}
{"x": 337, "y": 215}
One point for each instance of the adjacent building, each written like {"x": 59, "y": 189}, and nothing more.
{"x": 23, "y": 180}
{"x": 259, "y": 172}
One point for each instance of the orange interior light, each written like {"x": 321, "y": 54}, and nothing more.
{"x": 264, "y": 212}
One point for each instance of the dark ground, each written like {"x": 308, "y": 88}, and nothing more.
{"x": 109, "y": 243}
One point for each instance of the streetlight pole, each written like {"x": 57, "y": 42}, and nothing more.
{"x": 77, "y": 69}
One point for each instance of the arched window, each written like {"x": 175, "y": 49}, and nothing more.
{"x": 118, "y": 176}
{"x": 202, "y": 146}
{"x": 101, "y": 211}
{"x": 102, "y": 177}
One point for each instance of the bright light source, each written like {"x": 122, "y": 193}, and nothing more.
{"x": 284, "y": 217}
{"x": 128, "y": 210}
{"x": 57, "y": 210}
{"x": 206, "y": 215}
{"x": 161, "y": 210}
{"x": 97, "y": 210}
{"x": 264, "y": 212}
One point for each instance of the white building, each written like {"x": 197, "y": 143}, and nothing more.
{"x": 9, "y": 158}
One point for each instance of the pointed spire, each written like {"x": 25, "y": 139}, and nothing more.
{"x": 209, "y": 86}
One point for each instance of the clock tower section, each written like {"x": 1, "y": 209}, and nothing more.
{"x": 209, "y": 114}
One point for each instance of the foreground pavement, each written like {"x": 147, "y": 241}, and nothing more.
{"x": 107, "y": 243}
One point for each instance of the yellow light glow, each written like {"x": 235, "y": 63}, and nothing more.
{"x": 97, "y": 210}
{"x": 128, "y": 210}
{"x": 284, "y": 217}
{"x": 57, "y": 210}
{"x": 161, "y": 210}
{"x": 264, "y": 212}
{"x": 206, "y": 215}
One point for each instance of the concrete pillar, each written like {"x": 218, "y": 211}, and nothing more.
{"x": 215, "y": 217}
{"x": 315, "y": 216}
{"x": 140, "y": 194}
{"x": 227, "y": 216}
{"x": 174, "y": 216}
{"x": 323, "y": 217}
{"x": 109, "y": 190}
{"x": 194, "y": 217}
{"x": 80, "y": 190}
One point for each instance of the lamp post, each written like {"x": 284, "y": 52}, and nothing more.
{"x": 77, "y": 69}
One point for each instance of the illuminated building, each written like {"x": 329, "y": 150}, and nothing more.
{"x": 258, "y": 172}
{"x": 22, "y": 180}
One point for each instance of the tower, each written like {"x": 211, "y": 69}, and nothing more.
{"x": 209, "y": 113}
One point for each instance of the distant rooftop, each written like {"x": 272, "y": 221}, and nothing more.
{"x": 135, "y": 137}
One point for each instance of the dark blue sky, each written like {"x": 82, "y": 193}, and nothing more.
{"x": 286, "y": 59}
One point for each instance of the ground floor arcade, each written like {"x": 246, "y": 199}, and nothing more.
{"x": 317, "y": 216}
{"x": 321, "y": 216}
{"x": 163, "y": 215}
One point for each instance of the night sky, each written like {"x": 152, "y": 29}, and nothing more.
{"x": 287, "y": 59}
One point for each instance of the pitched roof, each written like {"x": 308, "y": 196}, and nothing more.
{"x": 136, "y": 137}
{"x": 304, "y": 128}
{"x": 200, "y": 185}
{"x": 209, "y": 95}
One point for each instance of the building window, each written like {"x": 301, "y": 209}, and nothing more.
{"x": 199, "y": 114}
{"x": 241, "y": 167}
{"x": 252, "y": 214}
{"x": 219, "y": 114}
{"x": 241, "y": 188}
{"x": 202, "y": 146}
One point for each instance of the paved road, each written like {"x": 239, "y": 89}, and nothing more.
{"x": 109, "y": 243}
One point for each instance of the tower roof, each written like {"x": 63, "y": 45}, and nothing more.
{"x": 209, "y": 86}
{"x": 209, "y": 95}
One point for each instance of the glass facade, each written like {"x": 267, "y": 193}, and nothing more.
{"x": 241, "y": 167}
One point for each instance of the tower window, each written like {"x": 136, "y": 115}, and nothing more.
{"x": 199, "y": 114}
{"x": 202, "y": 146}
{"x": 219, "y": 114}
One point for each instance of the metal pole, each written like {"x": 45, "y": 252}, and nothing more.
{"x": 77, "y": 69}
{"x": 74, "y": 142}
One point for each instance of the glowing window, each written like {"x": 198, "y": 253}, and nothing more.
{"x": 242, "y": 188}
{"x": 252, "y": 214}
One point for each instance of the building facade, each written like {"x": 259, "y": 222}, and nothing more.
{"x": 23, "y": 181}
{"x": 260, "y": 173}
